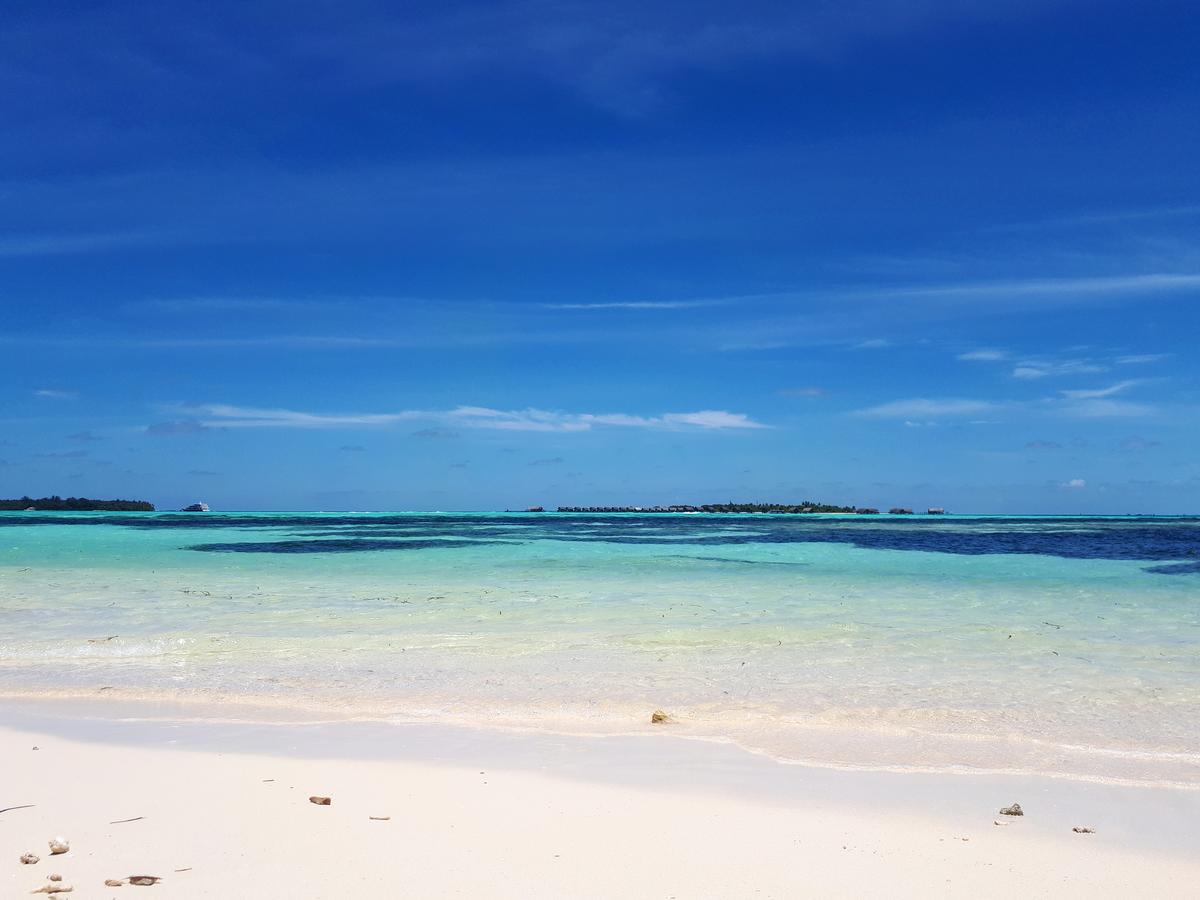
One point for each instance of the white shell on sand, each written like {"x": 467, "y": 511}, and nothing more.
{"x": 59, "y": 845}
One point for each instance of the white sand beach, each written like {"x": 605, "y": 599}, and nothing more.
{"x": 223, "y": 810}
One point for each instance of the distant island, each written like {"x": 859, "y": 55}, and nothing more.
{"x": 807, "y": 506}
{"x": 76, "y": 504}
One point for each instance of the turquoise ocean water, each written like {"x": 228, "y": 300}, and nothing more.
{"x": 1065, "y": 645}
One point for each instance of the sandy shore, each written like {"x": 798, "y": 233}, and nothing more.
{"x": 222, "y": 810}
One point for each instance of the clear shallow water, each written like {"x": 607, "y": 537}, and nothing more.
{"x": 1067, "y": 645}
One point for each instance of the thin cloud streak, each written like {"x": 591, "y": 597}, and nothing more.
{"x": 1116, "y": 284}
{"x": 983, "y": 356}
{"x": 1076, "y": 405}
{"x": 922, "y": 407}
{"x": 220, "y": 415}
{"x": 1096, "y": 393}
{"x": 1141, "y": 358}
{"x": 56, "y": 395}
{"x": 638, "y": 304}
{"x": 55, "y": 245}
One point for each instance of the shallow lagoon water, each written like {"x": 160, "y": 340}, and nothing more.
{"x": 1062, "y": 645}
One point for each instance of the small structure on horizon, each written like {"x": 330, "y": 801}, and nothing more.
{"x": 196, "y": 507}
{"x": 935, "y": 511}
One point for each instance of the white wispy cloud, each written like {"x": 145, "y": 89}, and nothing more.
{"x": 1141, "y": 358}
{"x": 1077, "y": 405}
{"x": 1032, "y": 369}
{"x": 1095, "y": 393}
{"x": 983, "y": 355}
{"x": 220, "y": 415}
{"x": 229, "y": 416}
{"x": 918, "y": 408}
{"x": 56, "y": 395}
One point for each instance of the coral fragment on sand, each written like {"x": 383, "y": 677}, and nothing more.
{"x": 1014, "y": 810}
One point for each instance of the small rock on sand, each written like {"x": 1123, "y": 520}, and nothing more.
{"x": 320, "y": 801}
{"x": 1014, "y": 810}
{"x": 144, "y": 879}
{"x": 113, "y": 882}
{"x": 1083, "y": 829}
{"x": 29, "y": 859}
{"x": 59, "y": 845}
{"x": 658, "y": 717}
{"x": 55, "y": 877}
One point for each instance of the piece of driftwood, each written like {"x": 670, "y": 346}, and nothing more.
{"x": 123, "y": 821}
{"x": 144, "y": 879}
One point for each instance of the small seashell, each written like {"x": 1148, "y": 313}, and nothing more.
{"x": 113, "y": 882}
{"x": 59, "y": 845}
{"x": 29, "y": 859}
{"x": 320, "y": 801}
{"x": 144, "y": 879}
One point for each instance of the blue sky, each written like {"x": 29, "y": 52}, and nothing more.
{"x": 460, "y": 256}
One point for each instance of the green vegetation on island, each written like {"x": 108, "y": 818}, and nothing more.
{"x": 75, "y": 504}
